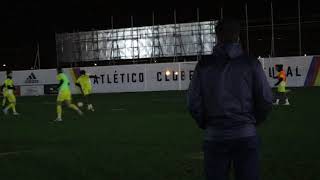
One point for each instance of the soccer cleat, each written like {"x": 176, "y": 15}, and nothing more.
{"x": 90, "y": 107}
{"x": 287, "y": 102}
{"x": 58, "y": 120}
{"x": 16, "y": 114}
{"x": 277, "y": 102}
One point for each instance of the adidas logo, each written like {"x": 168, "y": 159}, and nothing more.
{"x": 32, "y": 79}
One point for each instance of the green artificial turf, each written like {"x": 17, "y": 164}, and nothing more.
{"x": 146, "y": 136}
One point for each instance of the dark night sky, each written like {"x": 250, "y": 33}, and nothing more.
{"x": 25, "y": 23}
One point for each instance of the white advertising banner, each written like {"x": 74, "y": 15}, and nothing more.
{"x": 31, "y": 90}
{"x": 135, "y": 78}
{"x": 35, "y": 77}
{"x": 296, "y": 68}
{"x": 126, "y": 78}
{"x": 301, "y": 71}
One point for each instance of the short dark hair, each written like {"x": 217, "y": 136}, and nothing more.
{"x": 279, "y": 67}
{"x": 8, "y": 72}
{"x": 228, "y": 30}
{"x": 59, "y": 70}
{"x": 82, "y": 72}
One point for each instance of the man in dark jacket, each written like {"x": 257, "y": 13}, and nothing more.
{"x": 228, "y": 97}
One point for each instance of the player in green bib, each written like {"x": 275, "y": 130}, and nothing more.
{"x": 64, "y": 94}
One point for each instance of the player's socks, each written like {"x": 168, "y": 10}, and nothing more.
{"x": 6, "y": 109}
{"x": 3, "y": 102}
{"x": 74, "y": 107}
{"x": 59, "y": 111}
{"x": 9, "y": 107}
{"x": 14, "y": 109}
{"x": 277, "y": 102}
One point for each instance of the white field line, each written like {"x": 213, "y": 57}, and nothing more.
{"x": 12, "y": 153}
{"x": 119, "y": 109}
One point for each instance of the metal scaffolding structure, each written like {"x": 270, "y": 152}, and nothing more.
{"x": 157, "y": 41}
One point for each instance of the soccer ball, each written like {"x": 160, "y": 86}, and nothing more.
{"x": 80, "y": 104}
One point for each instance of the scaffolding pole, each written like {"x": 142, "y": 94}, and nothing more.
{"x": 37, "y": 64}
{"x": 300, "y": 43}
{"x": 111, "y": 37}
{"x": 114, "y": 43}
{"x": 199, "y": 53}
{"x": 153, "y": 39}
{"x": 175, "y": 35}
{"x": 156, "y": 45}
{"x": 57, "y": 47}
{"x": 272, "y": 32}
{"x": 95, "y": 41}
{"x": 132, "y": 42}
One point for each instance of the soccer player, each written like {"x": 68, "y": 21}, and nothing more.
{"x": 8, "y": 93}
{"x": 84, "y": 83}
{"x": 281, "y": 90}
{"x": 64, "y": 94}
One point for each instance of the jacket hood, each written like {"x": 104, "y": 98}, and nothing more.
{"x": 231, "y": 50}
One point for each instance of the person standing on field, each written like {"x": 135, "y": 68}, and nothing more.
{"x": 229, "y": 95}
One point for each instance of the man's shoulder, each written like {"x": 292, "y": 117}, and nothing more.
{"x": 207, "y": 60}
{"x": 247, "y": 58}
{"x": 211, "y": 59}
{"x": 248, "y": 61}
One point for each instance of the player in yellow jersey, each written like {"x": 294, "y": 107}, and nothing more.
{"x": 84, "y": 83}
{"x": 281, "y": 86}
{"x": 8, "y": 93}
{"x": 64, "y": 94}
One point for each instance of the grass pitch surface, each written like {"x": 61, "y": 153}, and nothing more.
{"x": 146, "y": 136}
